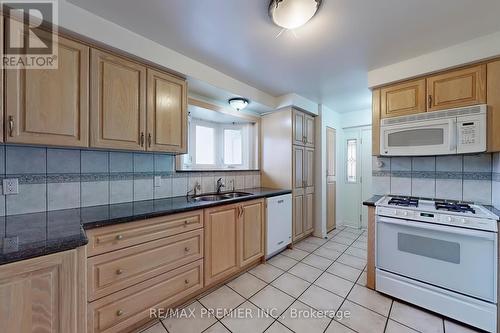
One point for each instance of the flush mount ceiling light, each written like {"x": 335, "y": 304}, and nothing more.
{"x": 238, "y": 103}
{"x": 291, "y": 14}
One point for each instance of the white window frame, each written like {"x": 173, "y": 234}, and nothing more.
{"x": 189, "y": 160}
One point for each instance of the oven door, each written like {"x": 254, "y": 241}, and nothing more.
{"x": 430, "y": 137}
{"x": 458, "y": 259}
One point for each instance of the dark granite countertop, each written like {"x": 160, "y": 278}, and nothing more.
{"x": 372, "y": 200}
{"x": 31, "y": 235}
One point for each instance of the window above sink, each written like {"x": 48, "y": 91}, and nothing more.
{"x": 220, "y": 139}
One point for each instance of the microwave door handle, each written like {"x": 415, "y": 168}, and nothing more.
{"x": 453, "y": 135}
{"x": 436, "y": 227}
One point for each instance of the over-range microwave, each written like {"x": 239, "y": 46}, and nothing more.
{"x": 447, "y": 132}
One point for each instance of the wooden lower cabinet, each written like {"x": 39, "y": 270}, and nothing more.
{"x": 252, "y": 236}
{"x": 126, "y": 310}
{"x": 234, "y": 238}
{"x": 221, "y": 242}
{"x": 43, "y": 295}
{"x": 302, "y": 214}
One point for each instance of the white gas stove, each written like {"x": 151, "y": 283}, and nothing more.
{"x": 440, "y": 255}
{"x": 452, "y": 213}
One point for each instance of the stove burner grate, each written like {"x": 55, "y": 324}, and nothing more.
{"x": 456, "y": 207}
{"x": 404, "y": 201}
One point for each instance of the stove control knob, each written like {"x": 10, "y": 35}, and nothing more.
{"x": 464, "y": 220}
{"x": 405, "y": 213}
{"x": 449, "y": 219}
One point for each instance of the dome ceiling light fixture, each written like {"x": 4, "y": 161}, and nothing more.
{"x": 292, "y": 14}
{"x": 238, "y": 103}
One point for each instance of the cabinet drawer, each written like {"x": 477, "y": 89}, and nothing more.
{"x": 106, "y": 239}
{"x": 126, "y": 310}
{"x": 110, "y": 272}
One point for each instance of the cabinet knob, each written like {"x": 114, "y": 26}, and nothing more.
{"x": 149, "y": 139}
{"x": 11, "y": 126}
{"x": 430, "y": 101}
{"x": 119, "y": 271}
{"x": 142, "y": 139}
{"x": 186, "y": 249}
{"x": 186, "y": 281}
{"x": 119, "y": 237}
{"x": 186, "y": 223}
{"x": 119, "y": 313}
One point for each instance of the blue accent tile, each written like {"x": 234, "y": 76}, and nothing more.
{"x": 95, "y": 161}
{"x": 121, "y": 162}
{"x": 143, "y": 162}
{"x": 163, "y": 163}
{"x": 21, "y": 160}
{"x": 63, "y": 161}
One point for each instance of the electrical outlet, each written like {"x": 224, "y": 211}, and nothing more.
{"x": 10, "y": 186}
{"x": 10, "y": 244}
{"x": 157, "y": 181}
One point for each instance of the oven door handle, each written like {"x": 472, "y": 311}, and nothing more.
{"x": 436, "y": 227}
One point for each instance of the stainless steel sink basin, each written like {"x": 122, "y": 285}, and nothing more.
{"x": 221, "y": 196}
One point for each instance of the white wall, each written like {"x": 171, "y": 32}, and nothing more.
{"x": 471, "y": 51}
{"x": 327, "y": 117}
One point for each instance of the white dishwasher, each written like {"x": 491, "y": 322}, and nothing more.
{"x": 279, "y": 223}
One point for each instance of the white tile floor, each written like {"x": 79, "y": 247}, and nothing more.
{"x": 318, "y": 275}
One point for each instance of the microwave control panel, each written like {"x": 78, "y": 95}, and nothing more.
{"x": 471, "y": 134}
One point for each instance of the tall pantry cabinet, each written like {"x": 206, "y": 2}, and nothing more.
{"x": 288, "y": 145}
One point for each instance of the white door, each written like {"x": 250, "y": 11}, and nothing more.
{"x": 351, "y": 194}
{"x": 366, "y": 173}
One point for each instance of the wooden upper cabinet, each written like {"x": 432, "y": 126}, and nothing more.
{"x": 298, "y": 128}
{"x": 118, "y": 102}
{"x": 41, "y": 295}
{"x": 221, "y": 243}
{"x": 310, "y": 133}
{"x": 50, "y": 106}
{"x": 251, "y": 231}
{"x": 167, "y": 113}
{"x": 493, "y": 106}
{"x": 376, "y": 122}
{"x": 457, "y": 88}
{"x": 403, "y": 99}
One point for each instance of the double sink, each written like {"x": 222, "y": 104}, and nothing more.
{"x": 220, "y": 196}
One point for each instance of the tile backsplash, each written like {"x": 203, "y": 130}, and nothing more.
{"x": 53, "y": 178}
{"x": 457, "y": 177}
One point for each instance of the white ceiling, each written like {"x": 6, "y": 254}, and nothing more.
{"x": 328, "y": 60}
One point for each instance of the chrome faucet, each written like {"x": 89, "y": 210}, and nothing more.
{"x": 195, "y": 189}
{"x": 219, "y": 185}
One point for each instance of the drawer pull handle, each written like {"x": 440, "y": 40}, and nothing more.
{"x": 119, "y": 271}
{"x": 186, "y": 281}
{"x": 119, "y": 313}
{"x": 119, "y": 237}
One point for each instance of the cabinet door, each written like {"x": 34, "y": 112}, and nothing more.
{"x": 118, "y": 102}
{"x": 298, "y": 215}
{"x": 167, "y": 113}
{"x": 308, "y": 212}
{"x": 298, "y": 127}
{"x": 494, "y": 106}
{"x": 298, "y": 167}
{"x": 457, "y": 88}
{"x": 309, "y": 127}
{"x": 221, "y": 243}
{"x": 376, "y": 122}
{"x": 251, "y": 232}
{"x": 40, "y": 295}
{"x": 308, "y": 167}
{"x": 50, "y": 106}
{"x": 403, "y": 99}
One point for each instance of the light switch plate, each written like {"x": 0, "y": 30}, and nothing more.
{"x": 157, "y": 181}
{"x": 10, "y": 186}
